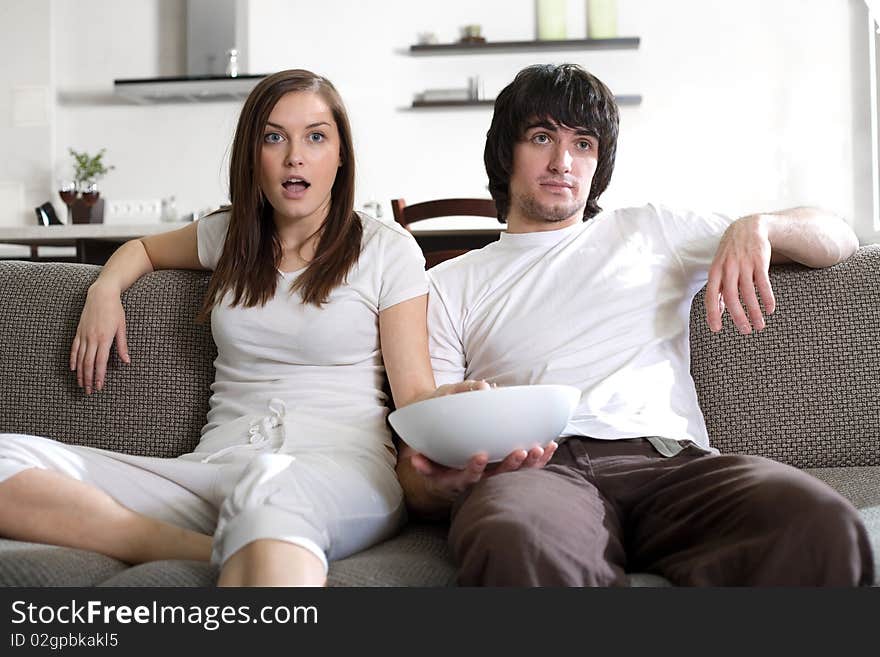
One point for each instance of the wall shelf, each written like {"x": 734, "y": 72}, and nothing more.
{"x": 489, "y": 47}
{"x": 493, "y": 47}
{"x": 622, "y": 101}
{"x": 430, "y": 104}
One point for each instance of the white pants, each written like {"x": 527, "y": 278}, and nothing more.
{"x": 294, "y": 477}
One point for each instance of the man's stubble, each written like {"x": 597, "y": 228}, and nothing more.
{"x": 538, "y": 212}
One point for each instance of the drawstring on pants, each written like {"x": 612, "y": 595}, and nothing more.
{"x": 259, "y": 432}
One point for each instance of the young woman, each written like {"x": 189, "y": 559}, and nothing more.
{"x": 310, "y": 305}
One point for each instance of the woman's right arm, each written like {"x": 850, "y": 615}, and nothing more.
{"x": 103, "y": 318}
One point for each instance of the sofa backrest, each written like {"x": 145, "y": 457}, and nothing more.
{"x": 805, "y": 391}
{"x": 154, "y": 406}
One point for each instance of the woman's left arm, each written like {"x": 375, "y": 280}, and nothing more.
{"x": 403, "y": 334}
{"x": 430, "y": 488}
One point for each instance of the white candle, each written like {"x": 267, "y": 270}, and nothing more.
{"x": 551, "y": 19}
{"x": 601, "y": 19}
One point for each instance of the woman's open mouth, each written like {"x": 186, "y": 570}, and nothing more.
{"x": 295, "y": 187}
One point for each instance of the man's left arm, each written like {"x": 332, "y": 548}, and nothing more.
{"x": 809, "y": 236}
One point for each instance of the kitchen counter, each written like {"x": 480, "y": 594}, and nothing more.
{"x": 68, "y": 235}
{"x": 96, "y": 242}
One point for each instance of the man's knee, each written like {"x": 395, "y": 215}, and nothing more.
{"x": 819, "y": 527}
{"x": 777, "y": 493}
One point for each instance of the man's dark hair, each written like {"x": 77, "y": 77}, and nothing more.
{"x": 567, "y": 95}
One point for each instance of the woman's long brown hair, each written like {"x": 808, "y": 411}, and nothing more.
{"x": 248, "y": 264}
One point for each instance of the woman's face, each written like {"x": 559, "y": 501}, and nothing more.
{"x": 300, "y": 156}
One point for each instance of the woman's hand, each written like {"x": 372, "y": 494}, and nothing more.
{"x": 102, "y": 321}
{"x": 468, "y": 385}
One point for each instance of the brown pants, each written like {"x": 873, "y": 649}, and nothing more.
{"x": 602, "y": 508}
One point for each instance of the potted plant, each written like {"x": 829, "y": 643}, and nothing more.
{"x": 87, "y": 171}
{"x": 87, "y": 168}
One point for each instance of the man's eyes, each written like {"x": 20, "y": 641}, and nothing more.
{"x": 543, "y": 138}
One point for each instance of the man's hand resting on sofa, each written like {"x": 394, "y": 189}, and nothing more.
{"x": 809, "y": 236}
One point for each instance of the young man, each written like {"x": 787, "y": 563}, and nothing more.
{"x": 603, "y": 303}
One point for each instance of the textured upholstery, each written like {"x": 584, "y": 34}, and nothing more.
{"x": 806, "y": 391}
{"x": 33, "y": 564}
{"x": 155, "y": 406}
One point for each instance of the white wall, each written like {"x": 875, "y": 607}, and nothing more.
{"x": 748, "y": 105}
{"x": 158, "y": 150}
{"x": 26, "y": 108}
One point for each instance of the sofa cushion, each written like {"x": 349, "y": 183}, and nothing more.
{"x": 418, "y": 556}
{"x": 35, "y": 564}
{"x": 165, "y": 573}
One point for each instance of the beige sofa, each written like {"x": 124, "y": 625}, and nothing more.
{"x": 805, "y": 391}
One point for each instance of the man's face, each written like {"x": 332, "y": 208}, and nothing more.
{"x": 553, "y": 168}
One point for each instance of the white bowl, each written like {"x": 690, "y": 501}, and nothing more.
{"x": 451, "y": 429}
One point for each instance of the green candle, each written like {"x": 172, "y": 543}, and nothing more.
{"x": 551, "y": 19}
{"x": 601, "y": 19}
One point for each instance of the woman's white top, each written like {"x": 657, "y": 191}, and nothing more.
{"x": 326, "y": 361}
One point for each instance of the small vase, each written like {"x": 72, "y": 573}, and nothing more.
{"x": 89, "y": 207}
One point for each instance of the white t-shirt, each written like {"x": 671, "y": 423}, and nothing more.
{"x": 603, "y": 306}
{"x": 326, "y": 361}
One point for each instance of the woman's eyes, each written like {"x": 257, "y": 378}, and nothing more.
{"x": 277, "y": 138}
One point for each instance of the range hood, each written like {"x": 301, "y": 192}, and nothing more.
{"x": 213, "y": 28}
{"x": 186, "y": 89}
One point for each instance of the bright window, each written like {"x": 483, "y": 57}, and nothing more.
{"x": 874, "y": 50}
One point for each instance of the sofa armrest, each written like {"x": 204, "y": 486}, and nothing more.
{"x": 806, "y": 390}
